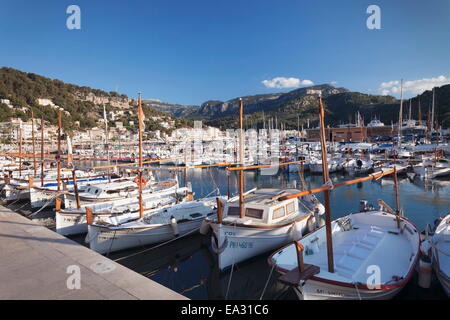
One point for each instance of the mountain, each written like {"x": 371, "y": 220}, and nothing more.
{"x": 297, "y": 107}
{"x": 82, "y": 105}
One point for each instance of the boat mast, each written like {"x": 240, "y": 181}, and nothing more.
{"x": 241, "y": 157}
{"x": 140, "y": 116}
{"x": 420, "y": 114}
{"x": 42, "y": 151}
{"x": 58, "y": 155}
{"x": 432, "y": 114}
{"x": 20, "y": 149}
{"x": 326, "y": 179}
{"x": 32, "y": 137}
{"x": 409, "y": 116}
{"x": 400, "y": 116}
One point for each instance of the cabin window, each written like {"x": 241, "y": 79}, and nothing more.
{"x": 278, "y": 213}
{"x": 96, "y": 191}
{"x": 233, "y": 211}
{"x": 290, "y": 208}
{"x": 254, "y": 213}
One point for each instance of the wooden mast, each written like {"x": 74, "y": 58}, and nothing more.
{"x": 140, "y": 115}
{"x": 420, "y": 114}
{"x": 326, "y": 193}
{"x": 34, "y": 148}
{"x": 58, "y": 155}
{"x": 241, "y": 158}
{"x": 20, "y": 149}
{"x": 42, "y": 151}
{"x": 400, "y": 116}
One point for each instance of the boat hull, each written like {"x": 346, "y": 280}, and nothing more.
{"x": 104, "y": 240}
{"x": 237, "y": 244}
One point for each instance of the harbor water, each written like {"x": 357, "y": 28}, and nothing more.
{"x": 187, "y": 265}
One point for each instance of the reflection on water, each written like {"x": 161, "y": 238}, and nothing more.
{"x": 188, "y": 267}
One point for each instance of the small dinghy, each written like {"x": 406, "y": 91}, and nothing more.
{"x": 375, "y": 253}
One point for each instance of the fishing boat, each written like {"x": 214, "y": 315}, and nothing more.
{"x": 41, "y": 193}
{"x": 430, "y": 169}
{"x": 110, "y": 234}
{"x": 73, "y": 219}
{"x": 364, "y": 243}
{"x": 370, "y": 254}
{"x": 358, "y": 166}
{"x": 267, "y": 224}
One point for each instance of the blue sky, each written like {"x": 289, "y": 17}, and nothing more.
{"x": 191, "y": 51}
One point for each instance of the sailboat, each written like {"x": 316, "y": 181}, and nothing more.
{"x": 155, "y": 226}
{"x": 370, "y": 254}
{"x": 256, "y": 221}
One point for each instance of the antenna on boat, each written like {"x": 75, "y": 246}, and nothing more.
{"x": 241, "y": 158}
{"x": 42, "y": 151}
{"x": 326, "y": 180}
{"x": 400, "y": 116}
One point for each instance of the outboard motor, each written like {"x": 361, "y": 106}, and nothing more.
{"x": 363, "y": 205}
{"x": 359, "y": 163}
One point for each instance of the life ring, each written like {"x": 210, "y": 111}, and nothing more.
{"x": 143, "y": 181}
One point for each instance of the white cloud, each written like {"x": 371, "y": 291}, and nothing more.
{"x": 282, "y": 82}
{"x": 414, "y": 86}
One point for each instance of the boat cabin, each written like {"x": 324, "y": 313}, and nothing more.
{"x": 262, "y": 207}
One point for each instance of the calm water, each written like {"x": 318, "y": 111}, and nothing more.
{"x": 188, "y": 267}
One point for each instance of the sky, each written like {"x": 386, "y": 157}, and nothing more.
{"x": 188, "y": 52}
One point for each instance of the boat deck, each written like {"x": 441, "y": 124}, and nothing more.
{"x": 354, "y": 251}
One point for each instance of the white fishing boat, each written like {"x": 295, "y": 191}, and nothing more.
{"x": 44, "y": 195}
{"x": 74, "y": 221}
{"x": 268, "y": 223}
{"x": 156, "y": 226}
{"x": 374, "y": 251}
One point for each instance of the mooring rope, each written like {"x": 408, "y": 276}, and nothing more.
{"x": 267, "y": 282}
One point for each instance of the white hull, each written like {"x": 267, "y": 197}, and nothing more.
{"x": 315, "y": 290}
{"x": 363, "y": 243}
{"x": 240, "y": 244}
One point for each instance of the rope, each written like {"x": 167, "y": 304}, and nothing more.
{"x": 157, "y": 246}
{"x": 357, "y": 291}
{"x": 329, "y": 183}
{"x": 267, "y": 282}
{"x": 232, "y": 268}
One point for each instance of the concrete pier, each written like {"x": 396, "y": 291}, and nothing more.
{"x": 37, "y": 263}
